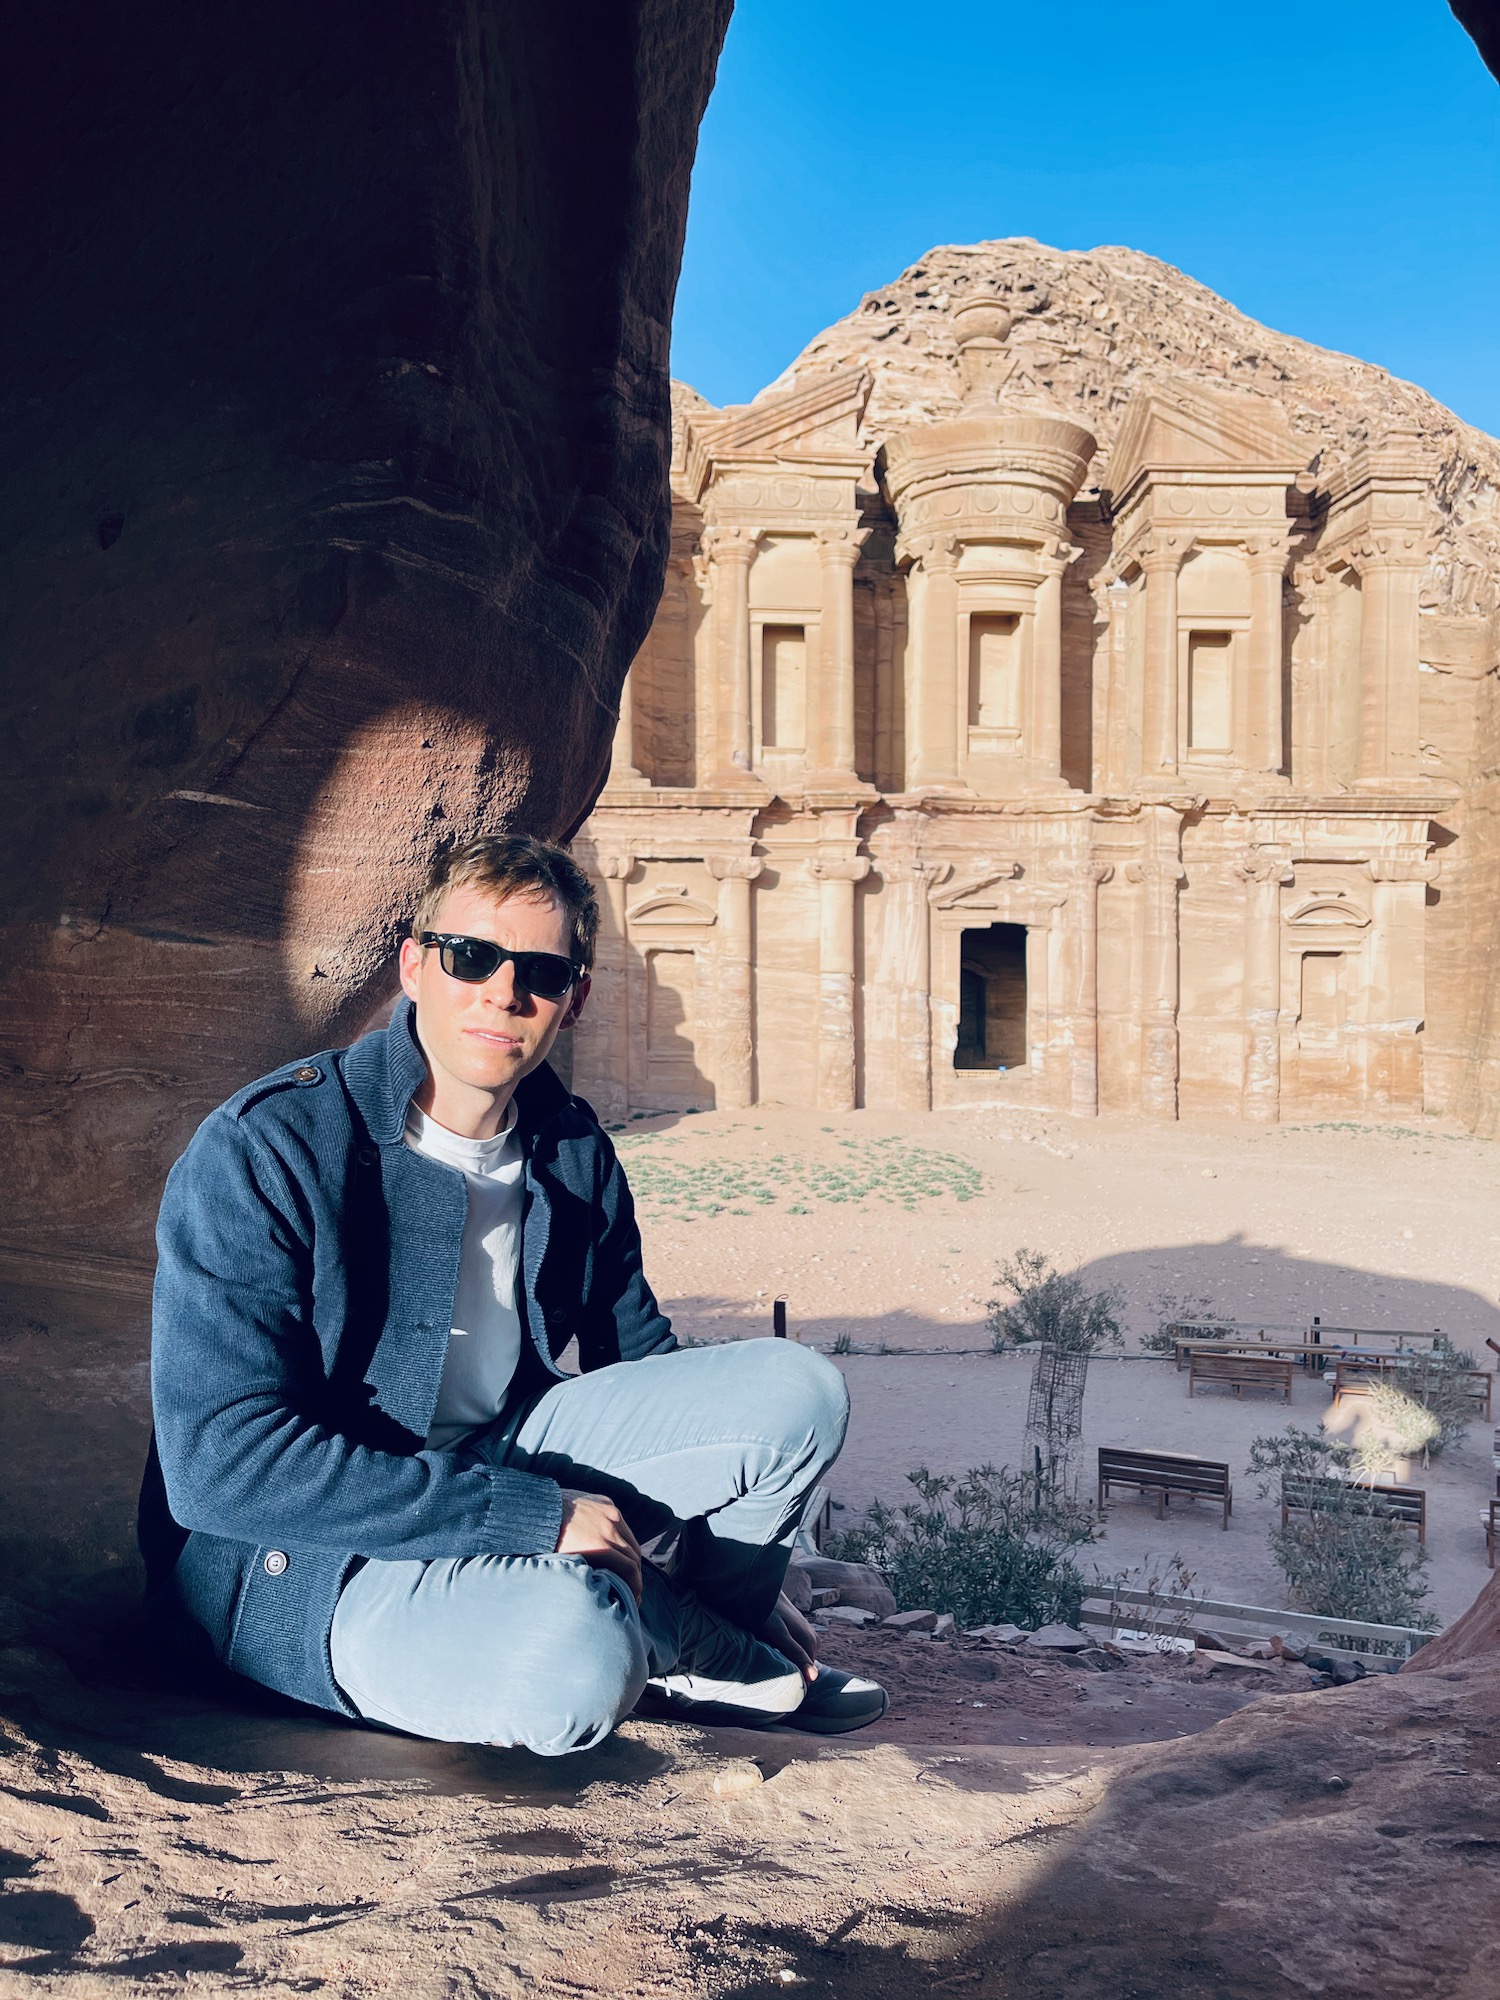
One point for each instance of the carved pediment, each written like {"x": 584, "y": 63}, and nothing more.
{"x": 972, "y": 888}
{"x": 1328, "y": 912}
{"x": 817, "y": 422}
{"x": 1185, "y": 429}
{"x": 672, "y": 904}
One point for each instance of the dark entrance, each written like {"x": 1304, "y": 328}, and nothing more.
{"x": 992, "y": 999}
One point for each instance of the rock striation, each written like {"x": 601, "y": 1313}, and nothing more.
{"x": 335, "y": 413}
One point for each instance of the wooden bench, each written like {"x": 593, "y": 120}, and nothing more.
{"x": 1358, "y": 1378}
{"x": 1241, "y": 1371}
{"x": 1491, "y": 1532}
{"x": 1162, "y": 1473}
{"x": 1309, "y": 1494}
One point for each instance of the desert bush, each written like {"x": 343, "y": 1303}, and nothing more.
{"x": 1428, "y": 1405}
{"x": 1171, "y": 1592}
{"x": 1397, "y": 1427}
{"x": 1175, "y": 1311}
{"x": 1342, "y": 1560}
{"x": 1053, "y": 1307}
{"x": 990, "y": 1547}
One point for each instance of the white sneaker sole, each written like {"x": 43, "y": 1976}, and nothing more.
{"x": 747, "y": 1705}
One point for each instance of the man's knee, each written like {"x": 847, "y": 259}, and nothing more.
{"x": 587, "y": 1670}
{"x": 804, "y": 1393}
{"x": 540, "y": 1653}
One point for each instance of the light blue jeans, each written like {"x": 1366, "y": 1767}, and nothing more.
{"x": 724, "y": 1444}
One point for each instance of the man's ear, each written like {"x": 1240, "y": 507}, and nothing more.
{"x": 411, "y": 965}
{"x": 576, "y": 1003}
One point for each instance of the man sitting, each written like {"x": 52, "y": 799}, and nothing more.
{"x": 370, "y": 1486}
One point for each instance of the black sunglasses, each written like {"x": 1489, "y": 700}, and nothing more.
{"x": 546, "y": 974}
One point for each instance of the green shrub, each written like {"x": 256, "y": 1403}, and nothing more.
{"x": 989, "y": 1547}
{"x": 1053, "y": 1307}
{"x": 1437, "y": 1386}
{"x": 1343, "y": 1560}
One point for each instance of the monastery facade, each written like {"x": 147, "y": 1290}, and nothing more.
{"x": 946, "y": 778}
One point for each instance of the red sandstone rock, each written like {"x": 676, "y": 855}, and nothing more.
{"x": 333, "y": 498}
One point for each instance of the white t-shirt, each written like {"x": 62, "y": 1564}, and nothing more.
{"x": 484, "y": 1343}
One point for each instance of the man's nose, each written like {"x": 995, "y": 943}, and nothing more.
{"x": 501, "y": 990}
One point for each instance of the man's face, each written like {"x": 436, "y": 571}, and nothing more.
{"x": 488, "y": 1036}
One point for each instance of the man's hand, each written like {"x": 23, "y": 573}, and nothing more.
{"x": 594, "y": 1528}
{"x": 789, "y": 1632}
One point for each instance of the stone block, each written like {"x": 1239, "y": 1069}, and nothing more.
{"x": 910, "y": 1621}
{"x": 1059, "y": 1639}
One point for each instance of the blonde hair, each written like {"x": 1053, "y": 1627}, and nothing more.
{"x": 513, "y": 864}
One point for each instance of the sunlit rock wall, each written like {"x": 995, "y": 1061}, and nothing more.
{"x": 334, "y": 490}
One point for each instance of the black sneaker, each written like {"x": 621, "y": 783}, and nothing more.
{"x": 723, "y": 1676}
{"x": 837, "y": 1701}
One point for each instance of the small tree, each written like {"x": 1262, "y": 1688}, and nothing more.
{"x": 989, "y": 1547}
{"x": 1429, "y": 1404}
{"x": 1340, "y": 1556}
{"x": 1053, "y": 1308}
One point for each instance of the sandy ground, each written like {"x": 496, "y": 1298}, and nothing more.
{"x": 989, "y": 1837}
{"x": 1367, "y": 1228}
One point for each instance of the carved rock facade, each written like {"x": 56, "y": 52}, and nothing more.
{"x": 1019, "y": 727}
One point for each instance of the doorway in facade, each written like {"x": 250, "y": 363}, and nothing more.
{"x": 992, "y": 999}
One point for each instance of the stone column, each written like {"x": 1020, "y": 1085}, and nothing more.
{"x": 908, "y": 953}
{"x": 1396, "y": 994}
{"x": 605, "y": 1027}
{"x": 836, "y": 875}
{"x": 833, "y": 744}
{"x": 1108, "y": 761}
{"x": 734, "y": 1084}
{"x": 1389, "y": 652}
{"x": 1263, "y": 751}
{"x": 932, "y": 687}
{"x": 1161, "y": 877}
{"x": 624, "y": 773}
{"x": 733, "y": 551}
{"x": 885, "y": 775}
{"x": 1160, "y": 563}
{"x": 1263, "y": 872}
{"x": 1045, "y": 720}
{"x": 1084, "y": 909}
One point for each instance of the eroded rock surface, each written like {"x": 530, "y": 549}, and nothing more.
{"x": 333, "y": 489}
{"x": 1334, "y": 1843}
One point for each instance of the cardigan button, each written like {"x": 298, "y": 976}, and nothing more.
{"x": 275, "y": 1563}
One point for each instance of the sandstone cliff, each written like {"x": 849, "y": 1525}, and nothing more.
{"x": 334, "y": 404}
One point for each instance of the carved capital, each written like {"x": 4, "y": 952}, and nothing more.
{"x": 1263, "y": 864}
{"x": 615, "y": 867}
{"x": 1093, "y": 874}
{"x": 1156, "y": 874}
{"x": 1055, "y": 556}
{"x": 1266, "y": 552}
{"x": 905, "y": 869}
{"x": 1162, "y": 554}
{"x": 839, "y": 867}
{"x": 733, "y": 867}
{"x": 936, "y": 554}
{"x": 730, "y": 545}
{"x": 840, "y": 547}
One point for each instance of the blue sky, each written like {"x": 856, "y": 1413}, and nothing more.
{"x": 1332, "y": 170}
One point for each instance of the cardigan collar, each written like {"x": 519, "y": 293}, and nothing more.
{"x": 384, "y": 1071}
